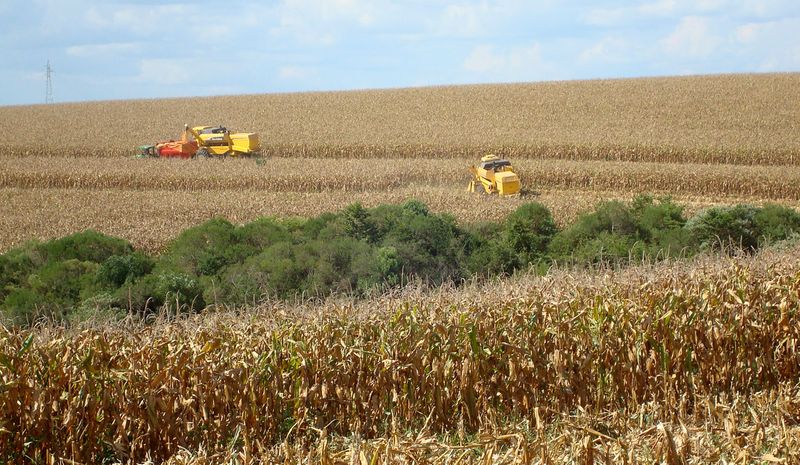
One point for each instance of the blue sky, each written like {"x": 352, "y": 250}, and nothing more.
{"x": 147, "y": 49}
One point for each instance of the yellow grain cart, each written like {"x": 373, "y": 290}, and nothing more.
{"x": 494, "y": 176}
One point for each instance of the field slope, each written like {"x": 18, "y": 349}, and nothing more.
{"x": 704, "y": 140}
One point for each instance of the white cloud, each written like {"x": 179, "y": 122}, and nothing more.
{"x": 607, "y": 50}
{"x": 483, "y": 58}
{"x": 103, "y": 50}
{"x": 144, "y": 19}
{"x": 295, "y": 72}
{"x": 692, "y": 37}
{"x": 166, "y": 71}
{"x": 463, "y": 19}
{"x": 605, "y": 16}
{"x": 321, "y": 22}
{"x": 773, "y": 45}
{"x": 748, "y": 33}
{"x": 514, "y": 64}
{"x": 657, "y": 8}
{"x": 652, "y": 9}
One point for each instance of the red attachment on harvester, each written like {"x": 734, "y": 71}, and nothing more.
{"x": 177, "y": 149}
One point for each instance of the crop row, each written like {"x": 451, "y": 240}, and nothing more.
{"x": 604, "y": 152}
{"x": 362, "y": 175}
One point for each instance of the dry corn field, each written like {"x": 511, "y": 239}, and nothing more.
{"x": 704, "y": 140}
{"x": 675, "y": 363}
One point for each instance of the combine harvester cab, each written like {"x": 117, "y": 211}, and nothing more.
{"x": 494, "y": 176}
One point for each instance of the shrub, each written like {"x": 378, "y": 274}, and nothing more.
{"x": 529, "y": 230}
{"x": 776, "y": 223}
{"x": 15, "y": 266}
{"x": 24, "y": 307}
{"x": 723, "y": 227}
{"x": 86, "y": 246}
{"x": 61, "y": 283}
{"x": 119, "y": 269}
{"x": 153, "y": 291}
{"x": 260, "y": 234}
{"x": 493, "y": 257}
{"x": 592, "y": 234}
{"x": 358, "y": 224}
{"x": 202, "y": 250}
{"x": 661, "y": 225}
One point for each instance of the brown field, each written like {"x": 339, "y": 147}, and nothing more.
{"x": 741, "y": 119}
{"x": 675, "y": 363}
{"x": 703, "y": 140}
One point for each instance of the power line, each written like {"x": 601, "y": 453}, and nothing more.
{"x": 48, "y": 96}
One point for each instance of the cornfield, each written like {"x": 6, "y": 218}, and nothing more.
{"x": 670, "y": 363}
{"x": 674, "y": 363}
{"x": 703, "y": 140}
{"x": 734, "y": 119}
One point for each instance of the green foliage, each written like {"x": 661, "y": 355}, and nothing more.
{"x": 24, "y": 306}
{"x": 86, "y": 246}
{"x": 776, "y": 223}
{"x": 357, "y": 251}
{"x": 616, "y": 232}
{"x": 529, "y": 230}
{"x": 15, "y": 266}
{"x": 357, "y": 223}
{"x": 202, "y": 250}
{"x": 260, "y": 234}
{"x": 606, "y": 234}
{"x": 725, "y": 227}
{"x": 119, "y": 269}
{"x": 153, "y": 291}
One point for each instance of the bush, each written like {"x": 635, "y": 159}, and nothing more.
{"x": 356, "y": 251}
{"x": 661, "y": 225}
{"x": 119, "y": 269}
{"x": 153, "y": 291}
{"x": 202, "y": 250}
{"x": 776, "y": 223}
{"x": 602, "y": 233}
{"x": 15, "y": 266}
{"x": 358, "y": 224}
{"x": 529, "y": 230}
{"x": 725, "y": 227}
{"x": 493, "y": 257}
{"x": 260, "y": 234}
{"x": 86, "y": 246}
{"x": 24, "y": 307}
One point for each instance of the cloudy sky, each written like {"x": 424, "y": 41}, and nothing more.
{"x": 148, "y": 49}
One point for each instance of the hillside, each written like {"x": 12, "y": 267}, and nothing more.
{"x": 726, "y": 118}
{"x": 704, "y": 140}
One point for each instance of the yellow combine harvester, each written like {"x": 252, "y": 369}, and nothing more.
{"x": 494, "y": 175}
{"x": 207, "y": 141}
{"x": 216, "y": 140}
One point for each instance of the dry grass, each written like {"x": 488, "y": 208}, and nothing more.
{"x": 732, "y": 119}
{"x": 679, "y": 363}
